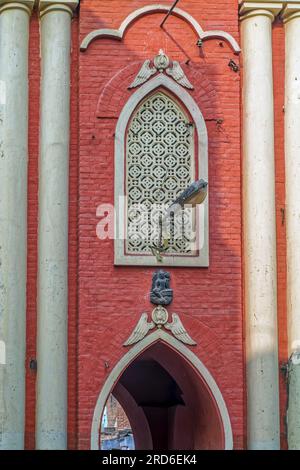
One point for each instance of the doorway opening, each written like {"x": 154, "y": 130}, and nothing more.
{"x": 171, "y": 401}
{"x": 116, "y": 432}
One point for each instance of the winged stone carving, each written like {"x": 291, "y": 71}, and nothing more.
{"x": 145, "y": 72}
{"x": 178, "y": 330}
{"x": 179, "y": 76}
{"x": 160, "y": 320}
{"x": 140, "y": 330}
{"x": 161, "y": 64}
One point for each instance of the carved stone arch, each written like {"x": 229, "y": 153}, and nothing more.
{"x": 164, "y": 82}
{"x": 160, "y": 336}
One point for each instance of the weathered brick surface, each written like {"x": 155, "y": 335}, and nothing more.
{"x": 111, "y": 299}
{"x": 278, "y": 54}
{"x": 73, "y": 245}
{"x": 34, "y": 103}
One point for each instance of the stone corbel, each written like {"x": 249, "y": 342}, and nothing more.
{"x": 26, "y": 5}
{"x": 45, "y": 6}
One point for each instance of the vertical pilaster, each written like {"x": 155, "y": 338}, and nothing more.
{"x": 14, "y": 34}
{"x": 52, "y": 341}
{"x": 259, "y": 225}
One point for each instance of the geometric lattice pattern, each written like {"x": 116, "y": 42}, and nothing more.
{"x": 159, "y": 165}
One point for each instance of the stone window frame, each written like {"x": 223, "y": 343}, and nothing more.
{"x": 162, "y": 82}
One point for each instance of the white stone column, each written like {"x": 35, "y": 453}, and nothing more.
{"x": 52, "y": 338}
{"x": 14, "y": 33}
{"x": 291, "y": 17}
{"x": 259, "y": 226}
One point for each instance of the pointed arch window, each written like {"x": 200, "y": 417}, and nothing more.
{"x": 160, "y": 149}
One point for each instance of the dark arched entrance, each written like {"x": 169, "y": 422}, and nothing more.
{"x": 169, "y": 403}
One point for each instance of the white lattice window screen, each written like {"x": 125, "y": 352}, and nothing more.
{"x": 159, "y": 166}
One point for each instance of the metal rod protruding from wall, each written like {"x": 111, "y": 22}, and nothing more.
{"x": 169, "y": 13}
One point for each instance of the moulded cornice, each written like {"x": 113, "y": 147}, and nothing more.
{"x": 26, "y": 5}
{"x": 260, "y": 8}
{"x": 291, "y": 11}
{"x": 45, "y": 6}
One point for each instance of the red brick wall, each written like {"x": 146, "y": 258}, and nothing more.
{"x": 73, "y": 244}
{"x": 278, "y": 65}
{"x": 34, "y": 103}
{"x": 111, "y": 299}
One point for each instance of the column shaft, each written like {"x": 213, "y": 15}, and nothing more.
{"x": 260, "y": 232}
{"x": 14, "y": 32}
{"x": 52, "y": 340}
{"x": 292, "y": 172}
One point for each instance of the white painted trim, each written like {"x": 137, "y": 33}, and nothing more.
{"x": 202, "y": 259}
{"x": 119, "y": 33}
{"x": 160, "y": 335}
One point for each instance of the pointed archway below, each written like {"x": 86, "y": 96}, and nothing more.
{"x": 178, "y": 399}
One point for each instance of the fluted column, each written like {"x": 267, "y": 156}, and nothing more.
{"x": 259, "y": 225}
{"x": 14, "y": 33}
{"x": 52, "y": 340}
{"x": 291, "y": 16}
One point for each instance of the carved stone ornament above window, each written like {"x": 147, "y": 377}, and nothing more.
{"x": 161, "y": 64}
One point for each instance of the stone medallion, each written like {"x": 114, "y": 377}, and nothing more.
{"x": 159, "y": 316}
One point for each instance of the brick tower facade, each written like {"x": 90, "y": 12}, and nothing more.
{"x": 131, "y": 110}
